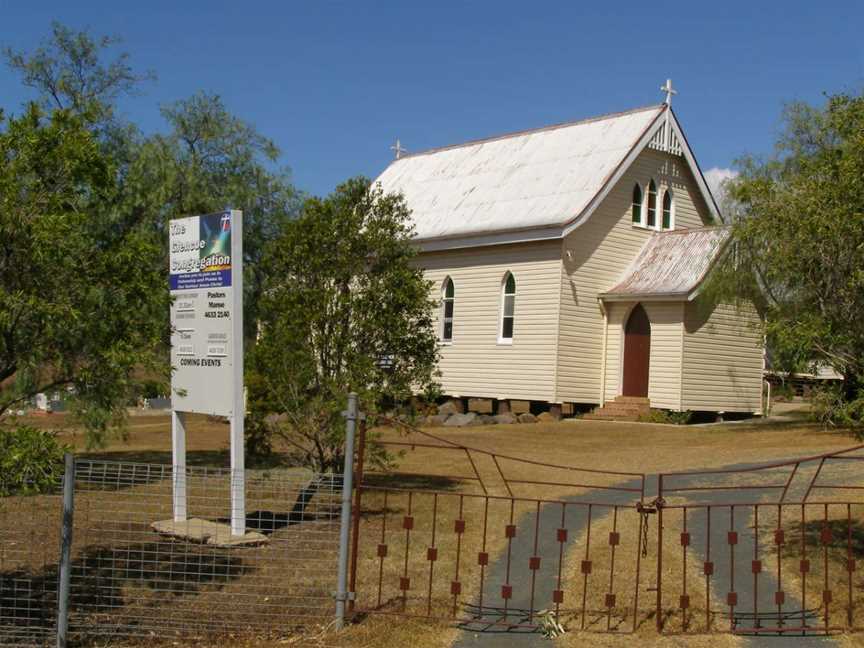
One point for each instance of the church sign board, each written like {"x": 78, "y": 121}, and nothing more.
{"x": 204, "y": 273}
{"x": 206, "y": 283}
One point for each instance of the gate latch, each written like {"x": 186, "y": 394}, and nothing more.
{"x": 645, "y": 510}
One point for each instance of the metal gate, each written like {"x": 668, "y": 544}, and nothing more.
{"x": 493, "y": 545}
{"x": 508, "y": 543}
{"x": 762, "y": 549}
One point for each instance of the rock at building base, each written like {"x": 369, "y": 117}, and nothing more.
{"x": 436, "y": 420}
{"x": 506, "y": 419}
{"x": 463, "y": 420}
{"x": 548, "y": 417}
{"x": 527, "y": 417}
{"x": 451, "y": 407}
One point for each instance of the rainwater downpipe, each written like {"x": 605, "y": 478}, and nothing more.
{"x": 603, "y": 358}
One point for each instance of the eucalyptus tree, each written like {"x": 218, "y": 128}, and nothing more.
{"x": 798, "y": 248}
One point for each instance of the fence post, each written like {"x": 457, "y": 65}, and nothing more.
{"x": 355, "y": 527}
{"x": 342, "y": 593}
{"x": 66, "y": 551}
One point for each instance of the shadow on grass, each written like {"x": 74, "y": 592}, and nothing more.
{"x": 411, "y": 482}
{"x": 844, "y": 539}
{"x": 268, "y": 522}
{"x": 202, "y": 458}
{"x": 115, "y": 581}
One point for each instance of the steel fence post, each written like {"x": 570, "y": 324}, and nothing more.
{"x": 66, "y": 551}
{"x": 342, "y": 593}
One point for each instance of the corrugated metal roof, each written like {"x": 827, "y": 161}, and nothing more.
{"x": 530, "y": 179}
{"x": 671, "y": 264}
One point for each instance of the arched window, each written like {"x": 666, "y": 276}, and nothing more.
{"x": 667, "y": 210}
{"x": 652, "y": 204}
{"x": 508, "y": 306}
{"x": 637, "y": 204}
{"x": 448, "y": 296}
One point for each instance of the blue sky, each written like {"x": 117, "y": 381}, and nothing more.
{"x": 334, "y": 83}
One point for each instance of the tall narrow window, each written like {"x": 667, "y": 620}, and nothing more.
{"x": 652, "y": 204}
{"x": 667, "y": 210}
{"x": 448, "y": 296}
{"x": 637, "y": 205}
{"x": 508, "y": 305}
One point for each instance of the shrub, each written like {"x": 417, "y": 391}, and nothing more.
{"x": 783, "y": 392}
{"x": 31, "y": 460}
{"x": 832, "y": 409}
{"x": 666, "y": 416}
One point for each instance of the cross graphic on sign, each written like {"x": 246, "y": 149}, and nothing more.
{"x": 226, "y": 222}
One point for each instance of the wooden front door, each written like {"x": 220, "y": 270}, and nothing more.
{"x": 637, "y": 353}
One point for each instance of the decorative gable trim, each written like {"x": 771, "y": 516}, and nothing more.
{"x": 666, "y": 140}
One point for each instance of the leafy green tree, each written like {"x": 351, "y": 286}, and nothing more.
{"x": 345, "y": 308}
{"x": 799, "y": 242}
{"x": 207, "y": 161}
{"x": 81, "y": 304}
{"x": 31, "y": 461}
{"x": 68, "y": 73}
{"x": 211, "y": 160}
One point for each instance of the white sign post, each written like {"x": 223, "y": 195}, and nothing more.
{"x": 206, "y": 282}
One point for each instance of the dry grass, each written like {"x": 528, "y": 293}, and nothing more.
{"x": 623, "y": 447}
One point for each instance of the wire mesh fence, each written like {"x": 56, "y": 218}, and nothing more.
{"x": 30, "y": 526}
{"x": 135, "y": 572}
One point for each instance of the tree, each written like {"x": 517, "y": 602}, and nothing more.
{"x": 68, "y": 74}
{"x": 209, "y": 159}
{"x": 799, "y": 242}
{"x": 81, "y": 304}
{"x": 345, "y": 308}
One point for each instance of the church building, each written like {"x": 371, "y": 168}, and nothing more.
{"x": 569, "y": 261}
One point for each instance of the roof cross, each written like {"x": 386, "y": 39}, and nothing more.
{"x": 397, "y": 148}
{"x": 669, "y": 92}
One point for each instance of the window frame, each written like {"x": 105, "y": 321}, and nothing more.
{"x": 641, "y": 221}
{"x": 668, "y": 193}
{"x": 448, "y": 281}
{"x": 503, "y": 309}
{"x": 648, "y": 207}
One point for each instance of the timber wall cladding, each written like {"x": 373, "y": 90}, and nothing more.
{"x": 600, "y": 251}
{"x": 722, "y": 362}
{"x": 475, "y": 364}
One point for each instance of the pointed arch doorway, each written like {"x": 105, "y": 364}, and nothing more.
{"x": 637, "y": 353}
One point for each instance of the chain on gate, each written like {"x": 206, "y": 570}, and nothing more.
{"x": 646, "y": 510}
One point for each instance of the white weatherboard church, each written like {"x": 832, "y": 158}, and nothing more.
{"x": 569, "y": 261}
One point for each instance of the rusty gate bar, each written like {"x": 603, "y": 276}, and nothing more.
{"x": 850, "y": 563}
{"x": 708, "y": 568}
{"x": 459, "y": 529}
{"x": 561, "y": 536}
{"x": 684, "y": 603}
